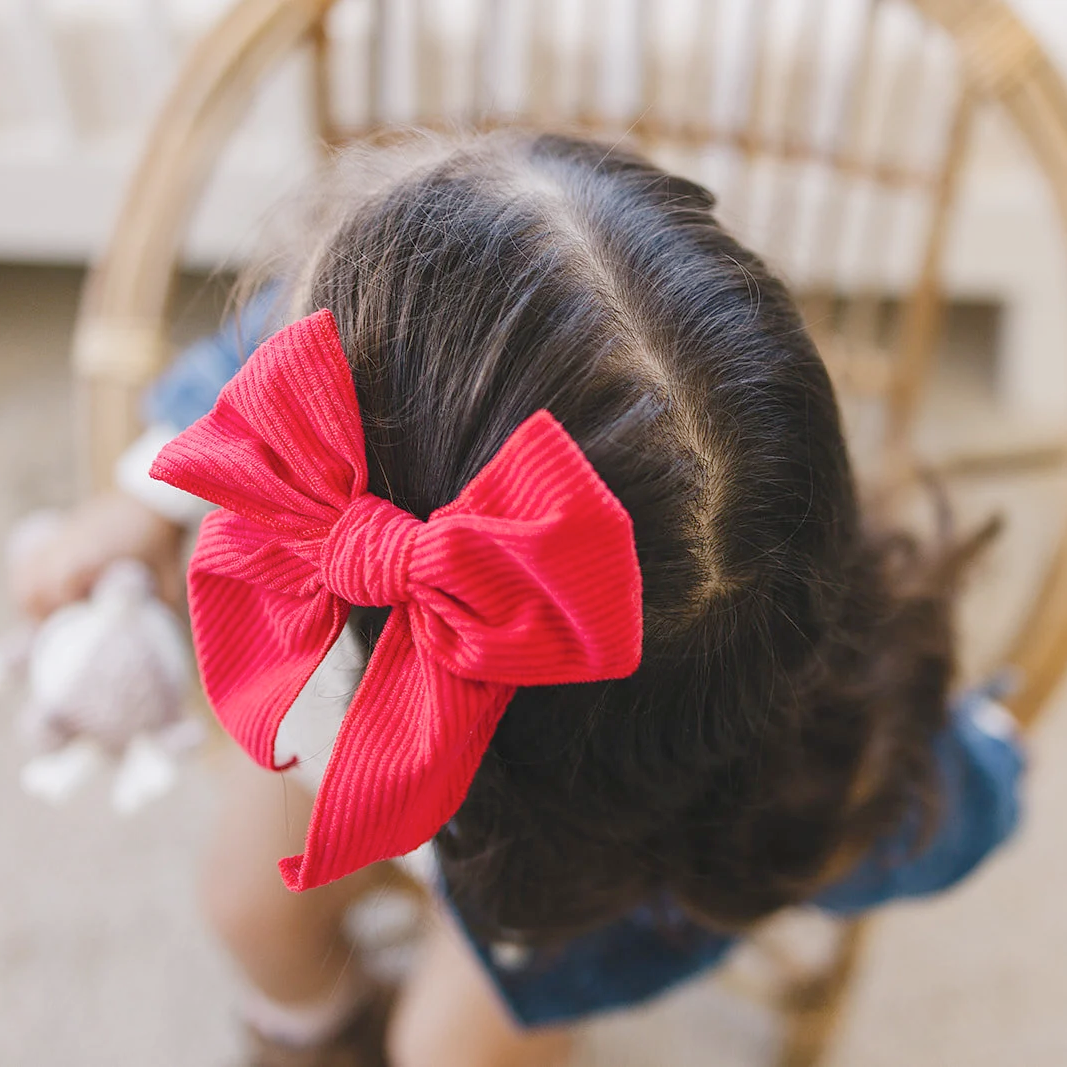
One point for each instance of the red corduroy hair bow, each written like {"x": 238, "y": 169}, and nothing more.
{"x": 529, "y": 577}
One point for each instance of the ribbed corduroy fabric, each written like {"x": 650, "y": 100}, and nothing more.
{"x": 529, "y": 577}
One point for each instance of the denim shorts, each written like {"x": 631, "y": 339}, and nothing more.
{"x": 657, "y": 947}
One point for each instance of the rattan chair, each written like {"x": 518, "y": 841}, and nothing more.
{"x": 804, "y": 173}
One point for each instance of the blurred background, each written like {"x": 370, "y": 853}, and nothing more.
{"x": 102, "y": 957}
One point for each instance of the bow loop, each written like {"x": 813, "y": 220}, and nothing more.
{"x": 283, "y": 445}
{"x": 366, "y": 556}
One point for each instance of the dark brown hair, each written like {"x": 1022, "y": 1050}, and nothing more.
{"x": 795, "y": 665}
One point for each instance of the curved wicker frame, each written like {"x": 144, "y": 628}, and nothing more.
{"x": 120, "y": 340}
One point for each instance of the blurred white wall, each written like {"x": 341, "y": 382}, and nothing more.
{"x": 80, "y": 80}
{"x": 1048, "y": 19}
{"x": 1009, "y": 246}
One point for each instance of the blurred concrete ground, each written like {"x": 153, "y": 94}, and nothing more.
{"x": 103, "y": 962}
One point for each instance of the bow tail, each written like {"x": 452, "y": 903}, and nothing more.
{"x": 259, "y": 636}
{"x": 402, "y": 763}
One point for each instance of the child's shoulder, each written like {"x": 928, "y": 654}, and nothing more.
{"x": 188, "y": 388}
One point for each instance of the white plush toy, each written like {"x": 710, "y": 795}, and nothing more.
{"x": 106, "y": 681}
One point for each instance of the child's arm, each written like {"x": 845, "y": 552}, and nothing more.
{"x": 142, "y": 519}
{"x": 980, "y": 765}
{"x": 107, "y": 527}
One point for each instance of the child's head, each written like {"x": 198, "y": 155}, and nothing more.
{"x": 790, "y": 684}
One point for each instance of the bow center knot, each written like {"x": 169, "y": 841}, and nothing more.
{"x": 365, "y": 557}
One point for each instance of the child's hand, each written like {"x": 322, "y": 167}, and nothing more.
{"x": 108, "y": 527}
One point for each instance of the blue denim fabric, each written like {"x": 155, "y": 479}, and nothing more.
{"x": 638, "y": 957}
{"x": 188, "y": 388}
{"x": 655, "y": 948}
{"x": 979, "y": 809}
